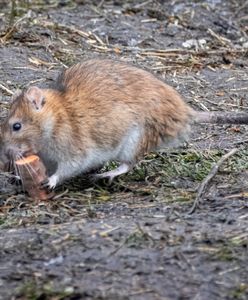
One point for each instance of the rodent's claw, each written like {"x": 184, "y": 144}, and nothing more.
{"x": 44, "y": 183}
{"x": 51, "y": 182}
{"x": 95, "y": 177}
{"x": 92, "y": 178}
{"x": 110, "y": 175}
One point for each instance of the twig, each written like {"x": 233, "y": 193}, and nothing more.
{"x": 142, "y": 4}
{"x": 96, "y": 42}
{"x": 4, "y": 88}
{"x": 241, "y": 8}
{"x": 100, "y": 4}
{"x": 13, "y": 28}
{"x": 221, "y": 39}
{"x": 118, "y": 248}
{"x": 242, "y": 194}
{"x": 210, "y": 176}
{"x": 180, "y": 51}
{"x": 241, "y": 142}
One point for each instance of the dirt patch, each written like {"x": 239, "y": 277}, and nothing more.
{"x": 134, "y": 239}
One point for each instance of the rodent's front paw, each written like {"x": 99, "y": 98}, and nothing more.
{"x": 51, "y": 182}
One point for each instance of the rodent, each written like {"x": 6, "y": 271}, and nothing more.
{"x": 99, "y": 111}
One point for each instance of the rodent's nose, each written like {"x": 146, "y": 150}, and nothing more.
{"x": 10, "y": 153}
{"x": 3, "y": 158}
{"x": 15, "y": 151}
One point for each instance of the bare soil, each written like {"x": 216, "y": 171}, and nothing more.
{"x": 135, "y": 238}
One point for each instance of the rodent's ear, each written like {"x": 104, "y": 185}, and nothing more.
{"x": 36, "y": 97}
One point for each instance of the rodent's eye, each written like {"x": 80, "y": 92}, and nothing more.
{"x": 17, "y": 126}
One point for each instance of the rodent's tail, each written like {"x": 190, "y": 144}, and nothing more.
{"x": 220, "y": 117}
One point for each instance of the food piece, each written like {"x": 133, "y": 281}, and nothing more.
{"x": 27, "y": 160}
{"x": 33, "y": 172}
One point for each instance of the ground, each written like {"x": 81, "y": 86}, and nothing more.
{"x": 134, "y": 239}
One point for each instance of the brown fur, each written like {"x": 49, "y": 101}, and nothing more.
{"x": 103, "y": 98}
{"x": 94, "y": 105}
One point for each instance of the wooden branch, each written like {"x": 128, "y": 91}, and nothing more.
{"x": 210, "y": 176}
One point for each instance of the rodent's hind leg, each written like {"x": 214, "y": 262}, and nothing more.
{"x": 122, "y": 169}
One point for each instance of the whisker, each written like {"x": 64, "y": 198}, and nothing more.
{"x": 18, "y": 174}
{"x": 30, "y": 170}
{"x": 12, "y": 169}
{"x": 30, "y": 167}
{"x": 18, "y": 171}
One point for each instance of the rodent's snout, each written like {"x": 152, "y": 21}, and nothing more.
{"x": 13, "y": 153}
{"x": 4, "y": 155}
